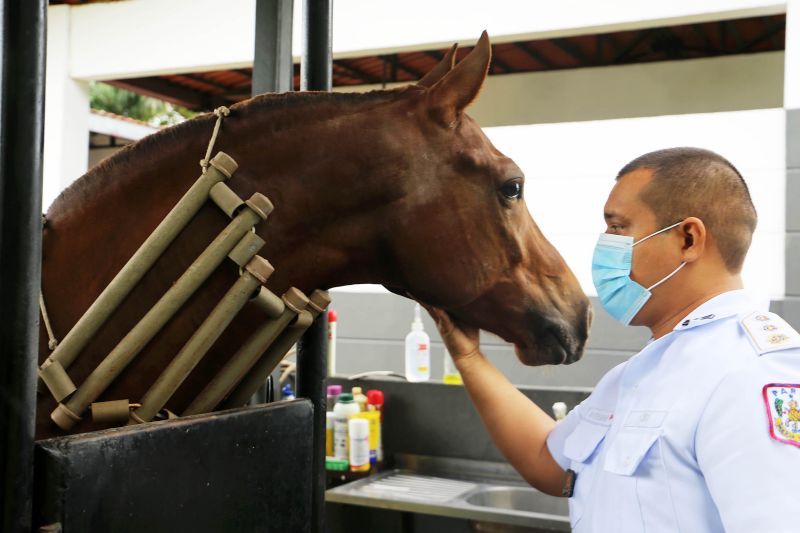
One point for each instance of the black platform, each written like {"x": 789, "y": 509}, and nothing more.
{"x": 242, "y": 470}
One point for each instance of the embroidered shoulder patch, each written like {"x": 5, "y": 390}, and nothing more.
{"x": 769, "y": 333}
{"x": 783, "y": 411}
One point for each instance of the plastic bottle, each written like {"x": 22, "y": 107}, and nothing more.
{"x": 333, "y": 394}
{"x": 375, "y": 403}
{"x": 358, "y": 431}
{"x": 451, "y": 375}
{"x": 342, "y": 411}
{"x": 329, "y": 419}
{"x": 559, "y": 410}
{"x": 287, "y": 393}
{"x": 418, "y": 350}
{"x": 360, "y": 399}
{"x": 374, "y": 420}
{"x": 332, "y": 319}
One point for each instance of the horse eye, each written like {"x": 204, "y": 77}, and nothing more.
{"x": 511, "y": 190}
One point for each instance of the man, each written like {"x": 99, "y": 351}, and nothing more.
{"x": 700, "y": 430}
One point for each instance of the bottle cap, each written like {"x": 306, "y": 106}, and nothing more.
{"x": 332, "y": 316}
{"x": 375, "y": 397}
{"x": 416, "y": 325}
{"x": 356, "y": 391}
{"x": 346, "y": 397}
{"x": 334, "y": 390}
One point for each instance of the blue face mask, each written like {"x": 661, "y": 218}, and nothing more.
{"x": 622, "y": 297}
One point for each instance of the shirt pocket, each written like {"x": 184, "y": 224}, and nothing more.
{"x": 581, "y": 447}
{"x": 646, "y": 502}
{"x": 629, "y": 449}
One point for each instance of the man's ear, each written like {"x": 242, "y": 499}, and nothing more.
{"x": 695, "y": 238}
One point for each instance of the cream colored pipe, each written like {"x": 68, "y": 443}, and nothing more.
{"x": 318, "y": 301}
{"x": 247, "y": 356}
{"x": 67, "y": 415}
{"x": 255, "y": 273}
{"x": 222, "y": 167}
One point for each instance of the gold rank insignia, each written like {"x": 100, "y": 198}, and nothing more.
{"x": 769, "y": 333}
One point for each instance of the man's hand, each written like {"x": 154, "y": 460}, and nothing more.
{"x": 462, "y": 341}
{"x": 518, "y": 426}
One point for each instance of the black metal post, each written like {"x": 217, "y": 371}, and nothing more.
{"x": 22, "y": 68}
{"x": 273, "y": 72}
{"x": 316, "y": 68}
{"x": 312, "y": 367}
{"x": 316, "y": 63}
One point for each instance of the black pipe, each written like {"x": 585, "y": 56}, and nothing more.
{"x": 316, "y": 67}
{"x": 316, "y": 63}
{"x": 312, "y": 367}
{"x": 22, "y": 69}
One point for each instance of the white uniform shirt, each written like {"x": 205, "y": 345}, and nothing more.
{"x": 685, "y": 435}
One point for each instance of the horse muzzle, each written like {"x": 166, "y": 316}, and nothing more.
{"x": 554, "y": 340}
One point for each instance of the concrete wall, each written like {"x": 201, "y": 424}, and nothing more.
{"x": 372, "y": 327}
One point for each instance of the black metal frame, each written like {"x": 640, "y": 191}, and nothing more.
{"x": 22, "y": 71}
{"x": 316, "y": 74}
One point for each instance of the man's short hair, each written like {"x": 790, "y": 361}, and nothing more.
{"x": 692, "y": 182}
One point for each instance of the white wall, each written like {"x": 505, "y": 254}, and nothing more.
{"x": 66, "y": 111}
{"x": 792, "y": 68}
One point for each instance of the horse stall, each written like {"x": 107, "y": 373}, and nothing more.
{"x": 249, "y": 468}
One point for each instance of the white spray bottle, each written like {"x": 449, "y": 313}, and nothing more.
{"x": 418, "y": 350}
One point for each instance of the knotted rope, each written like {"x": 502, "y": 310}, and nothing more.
{"x": 52, "y": 342}
{"x": 221, "y": 113}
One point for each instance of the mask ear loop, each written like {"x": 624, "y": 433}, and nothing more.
{"x": 657, "y": 232}
{"x": 651, "y": 287}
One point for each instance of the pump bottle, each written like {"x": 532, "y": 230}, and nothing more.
{"x": 418, "y": 350}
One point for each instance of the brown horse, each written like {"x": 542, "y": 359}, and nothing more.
{"x": 396, "y": 187}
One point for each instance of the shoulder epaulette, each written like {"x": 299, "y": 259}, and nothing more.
{"x": 769, "y": 333}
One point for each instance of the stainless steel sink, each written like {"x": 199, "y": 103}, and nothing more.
{"x": 518, "y": 499}
{"x": 459, "y": 496}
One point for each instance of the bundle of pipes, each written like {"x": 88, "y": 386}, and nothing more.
{"x": 290, "y": 315}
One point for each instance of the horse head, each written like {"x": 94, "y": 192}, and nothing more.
{"x": 463, "y": 239}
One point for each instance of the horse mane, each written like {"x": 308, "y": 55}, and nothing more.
{"x": 324, "y": 105}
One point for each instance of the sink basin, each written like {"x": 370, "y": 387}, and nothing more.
{"x": 519, "y": 499}
{"x": 478, "y": 500}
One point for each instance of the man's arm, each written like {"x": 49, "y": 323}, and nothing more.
{"x": 518, "y": 427}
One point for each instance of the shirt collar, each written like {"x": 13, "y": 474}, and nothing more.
{"x": 727, "y": 304}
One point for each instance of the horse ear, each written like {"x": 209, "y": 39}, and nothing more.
{"x": 443, "y": 67}
{"x": 458, "y": 88}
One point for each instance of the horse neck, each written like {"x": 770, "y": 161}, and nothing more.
{"x": 321, "y": 174}
{"x": 323, "y": 177}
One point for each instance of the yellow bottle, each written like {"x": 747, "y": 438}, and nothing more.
{"x": 360, "y": 399}
{"x": 451, "y": 375}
